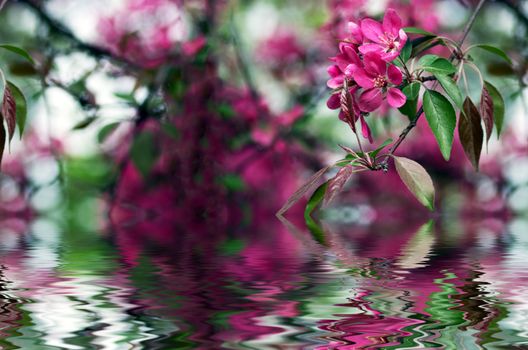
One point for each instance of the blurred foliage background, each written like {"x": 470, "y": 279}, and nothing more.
{"x": 175, "y": 114}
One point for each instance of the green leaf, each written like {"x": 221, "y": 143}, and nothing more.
{"x": 417, "y": 180}
{"x": 414, "y": 30}
{"x": 409, "y": 109}
{"x": 436, "y": 65}
{"x": 494, "y": 50}
{"x": 144, "y": 153}
{"x": 170, "y": 130}
{"x": 344, "y": 162}
{"x": 105, "y": 131}
{"x": 406, "y": 51}
{"x": 425, "y": 43}
{"x": 500, "y": 69}
{"x": 442, "y": 120}
{"x": 232, "y": 182}
{"x": 225, "y": 111}
{"x": 126, "y": 97}
{"x": 22, "y": 69}
{"x": 412, "y": 91}
{"x": 315, "y": 200}
{"x": 21, "y": 107}
{"x": 374, "y": 153}
{"x": 313, "y": 203}
{"x": 470, "y": 132}
{"x": 232, "y": 247}
{"x": 19, "y": 51}
{"x": 451, "y": 88}
{"x": 84, "y": 123}
{"x": 498, "y": 106}
{"x": 427, "y": 60}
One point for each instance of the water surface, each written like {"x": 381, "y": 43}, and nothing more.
{"x": 439, "y": 284}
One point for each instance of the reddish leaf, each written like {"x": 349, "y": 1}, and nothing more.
{"x": 9, "y": 111}
{"x": 347, "y": 106}
{"x": 486, "y": 111}
{"x": 302, "y": 191}
{"x": 2, "y": 141}
{"x": 336, "y": 184}
{"x": 470, "y": 132}
{"x": 349, "y": 151}
{"x": 498, "y": 106}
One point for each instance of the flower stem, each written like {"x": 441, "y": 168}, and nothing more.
{"x": 357, "y": 138}
{"x": 412, "y": 124}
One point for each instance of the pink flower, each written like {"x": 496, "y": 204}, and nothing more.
{"x": 376, "y": 79}
{"x": 192, "y": 47}
{"x": 346, "y": 62}
{"x": 356, "y": 35}
{"x": 388, "y": 39}
{"x": 334, "y": 102}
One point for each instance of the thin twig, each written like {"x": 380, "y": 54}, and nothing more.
{"x": 412, "y": 124}
{"x": 59, "y": 28}
{"x": 2, "y": 4}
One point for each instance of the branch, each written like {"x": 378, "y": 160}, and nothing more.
{"x": 59, "y": 28}
{"x": 2, "y": 4}
{"x": 412, "y": 124}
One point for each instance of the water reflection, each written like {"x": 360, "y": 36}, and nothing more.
{"x": 446, "y": 283}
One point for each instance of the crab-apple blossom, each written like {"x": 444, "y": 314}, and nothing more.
{"x": 356, "y": 35}
{"x": 363, "y": 63}
{"x": 345, "y": 63}
{"x": 388, "y": 38}
{"x": 378, "y": 79}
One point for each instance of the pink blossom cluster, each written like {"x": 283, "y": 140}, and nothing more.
{"x": 364, "y": 66}
{"x": 150, "y": 43}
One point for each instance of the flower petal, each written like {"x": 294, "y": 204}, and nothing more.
{"x": 366, "y": 48}
{"x": 355, "y": 32}
{"x": 390, "y": 56}
{"x": 334, "y": 102}
{"x": 342, "y": 61}
{"x": 372, "y": 30}
{"x": 336, "y": 82}
{"x": 351, "y": 54}
{"x": 370, "y": 100}
{"x": 342, "y": 45}
{"x": 395, "y": 75}
{"x": 396, "y": 98}
{"x": 403, "y": 39}
{"x": 365, "y": 130}
{"x": 363, "y": 79}
{"x": 334, "y": 71}
{"x": 374, "y": 64}
{"x": 392, "y": 23}
{"x": 350, "y": 69}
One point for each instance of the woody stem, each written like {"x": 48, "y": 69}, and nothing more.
{"x": 412, "y": 124}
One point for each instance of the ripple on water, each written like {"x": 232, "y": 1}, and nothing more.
{"x": 421, "y": 287}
